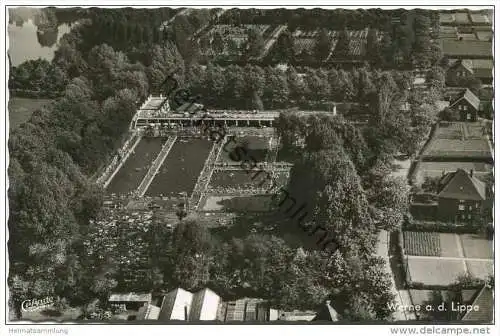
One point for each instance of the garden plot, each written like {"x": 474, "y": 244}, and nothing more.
{"x": 180, "y": 170}
{"x": 480, "y": 268}
{"x": 446, "y": 148}
{"x": 434, "y": 271}
{"x": 436, "y": 169}
{"x": 132, "y": 172}
{"x": 422, "y": 243}
{"x": 449, "y": 243}
{"x": 475, "y": 246}
{"x": 458, "y": 140}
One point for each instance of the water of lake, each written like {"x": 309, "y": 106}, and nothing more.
{"x": 26, "y": 44}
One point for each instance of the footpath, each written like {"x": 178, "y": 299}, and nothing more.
{"x": 402, "y": 296}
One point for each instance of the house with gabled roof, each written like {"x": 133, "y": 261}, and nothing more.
{"x": 467, "y": 105}
{"x": 462, "y": 70}
{"x": 461, "y": 196}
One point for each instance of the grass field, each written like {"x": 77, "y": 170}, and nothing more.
{"x": 434, "y": 271}
{"x": 20, "y": 109}
{"x": 422, "y": 243}
{"x": 180, "y": 170}
{"x": 135, "y": 168}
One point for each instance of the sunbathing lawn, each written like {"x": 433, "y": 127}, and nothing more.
{"x": 434, "y": 271}
{"x": 476, "y": 246}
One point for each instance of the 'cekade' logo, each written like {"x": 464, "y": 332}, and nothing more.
{"x": 36, "y": 304}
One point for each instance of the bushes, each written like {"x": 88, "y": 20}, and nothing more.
{"x": 441, "y": 227}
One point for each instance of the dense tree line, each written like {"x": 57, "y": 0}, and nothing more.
{"x": 51, "y": 157}
{"x": 37, "y": 78}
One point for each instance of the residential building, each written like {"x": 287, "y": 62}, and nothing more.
{"x": 467, "y": 105}
{"x": 461, "y": 196}
{"x": 462, "y": 70}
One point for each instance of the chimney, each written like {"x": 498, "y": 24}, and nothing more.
{"x": 471, "y": 172}
{"x": 328, "y": 302}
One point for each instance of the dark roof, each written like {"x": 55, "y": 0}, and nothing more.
{"x": 461, "y": 185}
{"x": 484, "y": 304}
{"x": 469, "y": 96}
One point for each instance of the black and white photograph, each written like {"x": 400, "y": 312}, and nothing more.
{"x": 243, "y": 164}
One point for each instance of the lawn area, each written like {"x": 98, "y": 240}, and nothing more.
{"x": 476, "y": 246}
{"x": 20, "y": 109}
{"x": 434, "y": 271}
{"x": 422, "y": 243}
